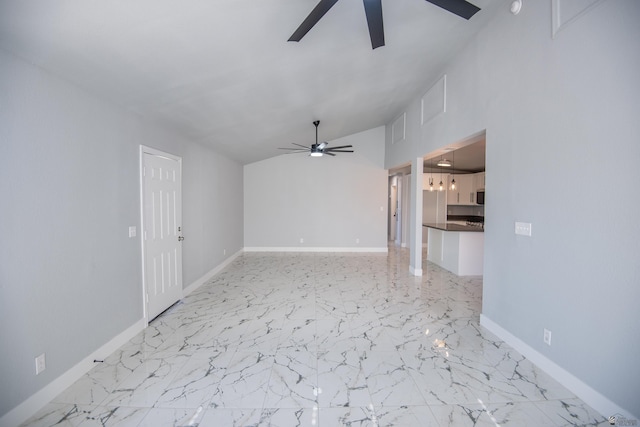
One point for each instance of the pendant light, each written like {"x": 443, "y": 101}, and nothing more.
{"x": 453, "y": 181}
{"x": 431, "y": 179}
{"x": 441, "y": 187}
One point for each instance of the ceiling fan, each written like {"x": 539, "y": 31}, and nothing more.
{"x": 318, "y": 150}
{"x": 373, "y": 10}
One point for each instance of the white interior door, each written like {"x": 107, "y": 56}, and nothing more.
{"x": 162, "y": 230}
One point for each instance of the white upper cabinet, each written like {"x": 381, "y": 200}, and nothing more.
{"x": 465, "y": 191}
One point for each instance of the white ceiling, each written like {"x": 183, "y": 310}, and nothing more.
{"x": 222, "y": 72}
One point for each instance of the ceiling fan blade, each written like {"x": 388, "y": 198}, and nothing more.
{"x": 303, "y": 146}
{"x": 293, "y": 149}
{"x": 327, "y": 153}
{"x": 341, "y": 146}
{"x": 373, "y": 9}
{"x": 462, "y": 8}
{"x": 338, "y": 151}
{"x": 312, "y": 19}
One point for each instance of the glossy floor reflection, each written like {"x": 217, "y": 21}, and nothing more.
{"x": 320, "y": 340}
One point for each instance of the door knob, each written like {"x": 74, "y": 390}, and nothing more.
{"x": 180, "y": 238}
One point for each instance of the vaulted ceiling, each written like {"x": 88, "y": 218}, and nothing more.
{"x": 222, "y": 72}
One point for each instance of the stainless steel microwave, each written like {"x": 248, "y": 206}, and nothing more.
{"x": 480, "y": 197}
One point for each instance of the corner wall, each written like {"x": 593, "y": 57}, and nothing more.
{"x": 561, "y": 116}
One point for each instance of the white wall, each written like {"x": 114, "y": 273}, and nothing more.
{"x": 213, "y": 225}
{"x": 70, "y": 277}
{"x": 327, "y": 201}
{"x": 562, "y": 125}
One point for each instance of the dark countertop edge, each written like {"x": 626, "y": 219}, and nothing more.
{"x": 454, "y": 227}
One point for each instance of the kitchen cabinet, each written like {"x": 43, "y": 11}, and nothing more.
{"x": 479, "y": 179}
{"x": 465, "y": 192}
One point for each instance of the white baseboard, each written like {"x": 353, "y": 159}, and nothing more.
{"x": 207, "y": 276}
{"x": 318, "y": 249}
{"x": 37, "y": 401}
{"x": 415, "y": 271}
{"x": 42, "y": 397}
{"x": 590, "y": 396}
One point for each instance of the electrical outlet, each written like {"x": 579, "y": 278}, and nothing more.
{"x": 41, "y": 363}
{"x": 547, "y": 337}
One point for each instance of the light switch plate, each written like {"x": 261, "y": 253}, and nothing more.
{"x": 523, "y": 228}
{"x": 132, "y": 231}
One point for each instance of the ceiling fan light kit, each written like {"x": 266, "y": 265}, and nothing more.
{"x": 316, "y": 150}
{"x": 373, "y": 12}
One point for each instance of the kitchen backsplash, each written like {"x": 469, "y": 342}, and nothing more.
{"x": 465, "y": 210}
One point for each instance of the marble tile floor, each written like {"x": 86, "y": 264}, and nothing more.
{"x": 299, "y": 339}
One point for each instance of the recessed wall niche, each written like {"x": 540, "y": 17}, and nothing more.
{"x": 434, "y": 102}
{"x": 398, "y": 128}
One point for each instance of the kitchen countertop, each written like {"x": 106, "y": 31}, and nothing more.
{"x": 453, "y": 227}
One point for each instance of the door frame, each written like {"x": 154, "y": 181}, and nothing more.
{"x": 144, "y": 149}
